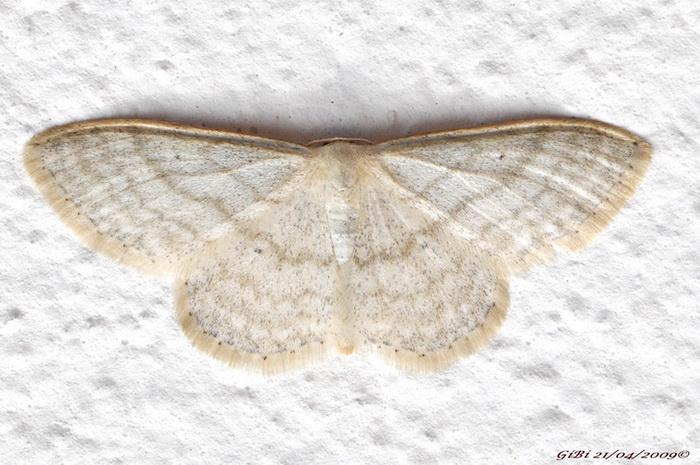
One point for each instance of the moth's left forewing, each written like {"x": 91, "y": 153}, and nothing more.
{"x": 517, "y": 190}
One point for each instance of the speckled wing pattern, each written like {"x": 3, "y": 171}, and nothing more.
{"x": 282, "y": 253}
{"x": 264, "y": 295}
{"x": 452, "y": 215}
{"x": 517, "y": 190}
{"x": 148, "y": 194}
{"x": 422, "y": 297}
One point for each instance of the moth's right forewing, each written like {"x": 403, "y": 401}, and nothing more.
{"x": 149, "y": 194}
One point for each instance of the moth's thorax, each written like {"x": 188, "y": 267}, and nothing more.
{"x": 343, "y": 168}
{"x": 343, "y": 159}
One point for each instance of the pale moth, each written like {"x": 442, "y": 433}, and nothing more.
{"x": 282, "y": 253}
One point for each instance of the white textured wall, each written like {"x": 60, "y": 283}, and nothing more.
{"x": 600, "y": 351}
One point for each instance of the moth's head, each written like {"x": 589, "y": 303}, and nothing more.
{"x": 338, "y": 140}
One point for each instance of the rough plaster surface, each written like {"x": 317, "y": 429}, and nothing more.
{"x": 600, "y": 351}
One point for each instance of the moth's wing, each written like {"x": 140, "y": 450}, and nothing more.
{"x": 421, "y": 297}
{"x": 516, "y": 190}
{"x": 444, "y": 219}
{"x": 149, "y": 193}
{"x": 264, "y": 297}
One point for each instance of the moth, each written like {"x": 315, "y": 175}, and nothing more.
{"x": 283, "y": 253}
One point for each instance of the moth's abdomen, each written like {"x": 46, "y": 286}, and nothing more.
{"x": 341, "y": 214}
